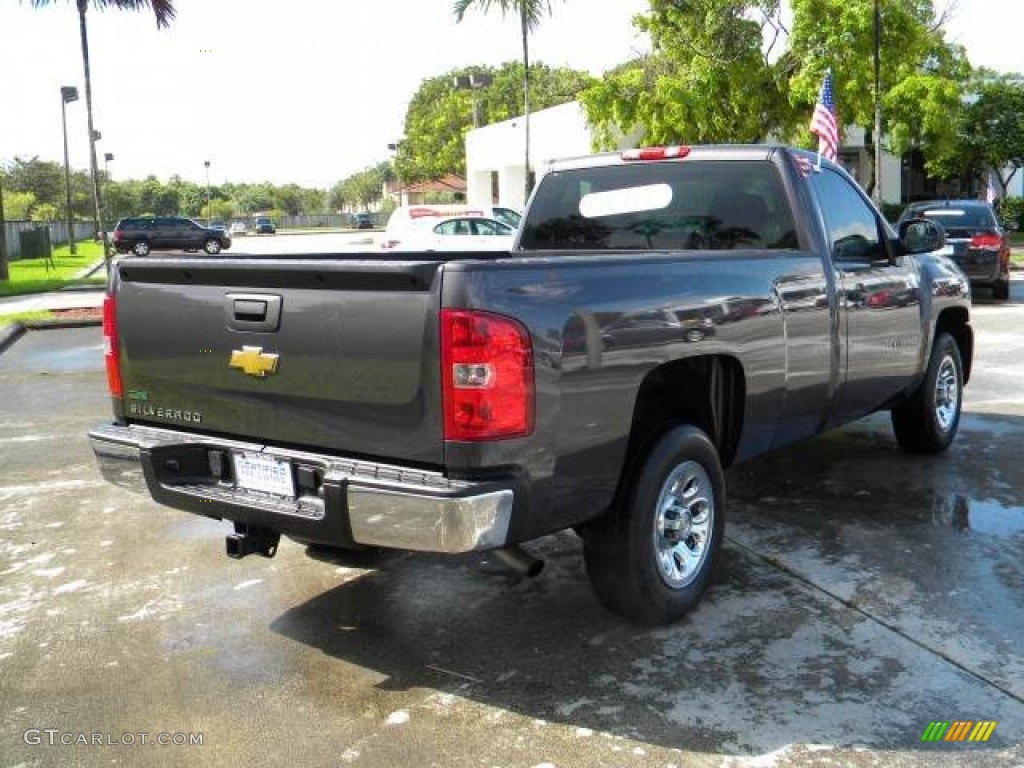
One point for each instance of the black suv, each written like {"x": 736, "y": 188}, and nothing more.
{"x": 167, "y": 233}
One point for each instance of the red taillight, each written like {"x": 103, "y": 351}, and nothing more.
{"x": 655, "y": 153}
{"x": 118, "y": 235}
{"x": 486, "y": 376}
{"x": 987, "y": 241}
{"x": 110, "y": 351}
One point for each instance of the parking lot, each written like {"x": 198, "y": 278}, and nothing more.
{"x": 866, "y": 593}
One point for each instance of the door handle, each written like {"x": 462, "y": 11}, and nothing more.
{"x": 254, "y": 312}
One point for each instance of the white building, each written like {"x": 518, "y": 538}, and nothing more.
{"x": 495, "y": 172}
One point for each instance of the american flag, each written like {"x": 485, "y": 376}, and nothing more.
{"x": 823, "y": 121}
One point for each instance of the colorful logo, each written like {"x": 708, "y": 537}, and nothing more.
{"x": 958, "y": 730}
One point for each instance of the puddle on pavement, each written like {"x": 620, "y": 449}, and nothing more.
{"x": 73, "y": 350}
{"x": 983, "y": 516}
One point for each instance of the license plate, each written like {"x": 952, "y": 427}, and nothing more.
{"x": 269, "y": 474}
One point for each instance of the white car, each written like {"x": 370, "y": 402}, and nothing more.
{"x": 237, "y": 228}
{"x": 454, "y": 233}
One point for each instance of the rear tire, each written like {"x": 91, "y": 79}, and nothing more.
{"x": 212, "y": 246}
{"x": 140, "y": 248}
{"x": 652, "y": 557}
{"x": 928, "y": 421}
{"x": 1001, "y": 290}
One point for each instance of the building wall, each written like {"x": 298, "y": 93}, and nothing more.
{"x": 499, "y": 148}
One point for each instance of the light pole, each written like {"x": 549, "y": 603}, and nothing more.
{"x": 209, "y": 202}
{"x": 68, "y": 93}
{"x": 472, "y": 82}
{"x": 107, "y": 157}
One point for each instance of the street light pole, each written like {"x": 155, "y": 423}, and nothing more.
{"x": 209, "y": 202}
{"x": 68, "y": 93}
{"x": 472, "y": 83}
{"x": 107, "y": 157}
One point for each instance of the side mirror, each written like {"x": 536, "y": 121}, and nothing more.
{"x": 921, "y": 236}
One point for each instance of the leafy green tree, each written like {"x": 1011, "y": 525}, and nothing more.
{"x": 922, "y": 76}
{"x": 157, "y": 198}
{"x": 121, "y": 199}
{"x": 223, "y": 209}
{"x": 44, "y": 179}
{"x": 529, "y": 13}
{"x": 991, "y": 132}
{"x": 731, "y": 71}
{"x": 364, "y": 187}
{"x": 163, "y": 10}
{"x": 19, "y": 205}
{"x": 256, "y": 197}
{"x": 439, "y": 115}
{"x": 709, "y": 78}
{"x": 45, "y": 212}
{"x": 336, "y": 199}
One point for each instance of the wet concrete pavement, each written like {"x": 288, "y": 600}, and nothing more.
{"x": 865, "y": 594}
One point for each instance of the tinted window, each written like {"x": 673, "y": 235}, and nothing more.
{"x": 489, "y": 227}
{"x": 663, "y": 206}
{"x": 959, "y": 217}
{"x": 852, "y": 225}
{"x": 507, "y": 216}
{"x": 453, "y": 227}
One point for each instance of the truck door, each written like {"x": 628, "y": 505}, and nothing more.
{"x": 879, "y": 298}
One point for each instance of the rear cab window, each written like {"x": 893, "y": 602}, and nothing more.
{"x": 705, "y": 205}
{"x": 960, "y": 217}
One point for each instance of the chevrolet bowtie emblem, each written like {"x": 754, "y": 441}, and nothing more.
{"x": 253, "y": 361}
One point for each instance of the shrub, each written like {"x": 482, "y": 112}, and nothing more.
{"x": 1011, "y": 212}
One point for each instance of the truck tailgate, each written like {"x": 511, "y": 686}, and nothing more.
{"x": 335, "y": 354}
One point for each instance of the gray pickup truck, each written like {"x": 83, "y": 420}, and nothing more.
{"x": 664, "y": 314}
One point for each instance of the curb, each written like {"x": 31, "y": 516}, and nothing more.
{"x": 9, "y": 334}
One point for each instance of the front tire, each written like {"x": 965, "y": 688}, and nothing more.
{"x": 928, "y": 421}
{"x": 654, "y": 555}
{"x": 212, "y": 246}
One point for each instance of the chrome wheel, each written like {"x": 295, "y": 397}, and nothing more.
{"x": 683, "y": 524}
{"x": 141, "y": 248}
{"x": 947, "y": 394}
{"x": 212, "y": 247}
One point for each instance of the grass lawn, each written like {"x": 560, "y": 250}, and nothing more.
{"x": 36, "y": 314}
{"x": 32, "y": 276}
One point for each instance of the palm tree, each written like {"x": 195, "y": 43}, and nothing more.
{"x": 530, "y": 13}
{"x": 163, "y": 10}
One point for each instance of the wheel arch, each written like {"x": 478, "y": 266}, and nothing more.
{"x": 707, "y": 391}
{"x": 956, "y": 322}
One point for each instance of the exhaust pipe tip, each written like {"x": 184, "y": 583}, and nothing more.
{"x": 520, "y": 561}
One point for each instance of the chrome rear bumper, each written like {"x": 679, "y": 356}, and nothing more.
{"x": 353, "y": 501}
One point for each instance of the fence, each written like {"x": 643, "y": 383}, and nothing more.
{"x": 58, "y": 234}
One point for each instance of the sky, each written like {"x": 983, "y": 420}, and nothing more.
{"x": 309, "y": 95}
